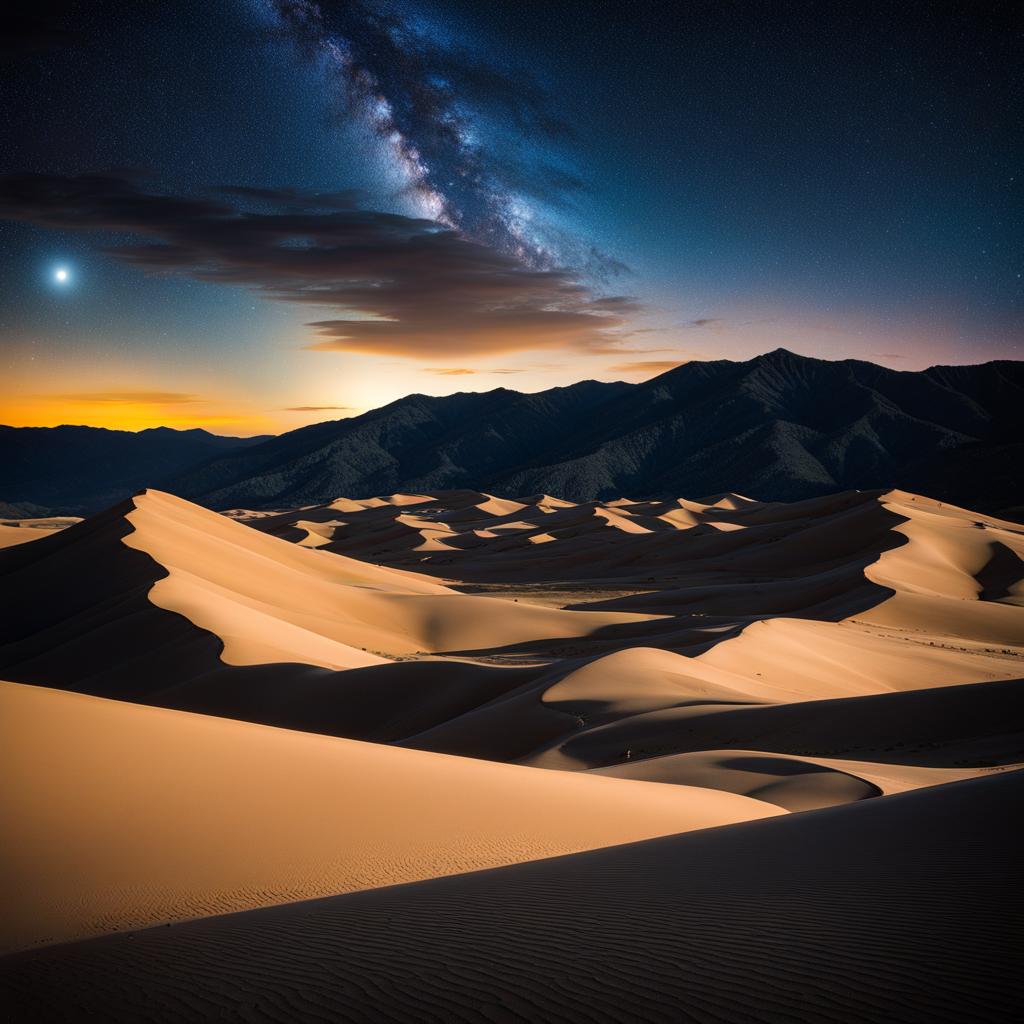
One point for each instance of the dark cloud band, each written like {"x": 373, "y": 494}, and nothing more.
{"x": 397, "y": 285}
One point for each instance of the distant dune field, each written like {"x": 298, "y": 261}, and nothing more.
{"x": 516, "y": 751}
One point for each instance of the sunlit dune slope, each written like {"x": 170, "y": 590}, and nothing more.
{"x": 241, "y": 585}
{"x": 89, "y": 604}
{"x": 128, "y": 816}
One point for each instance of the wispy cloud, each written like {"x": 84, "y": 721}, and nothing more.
{"x": 468, "y": 371}
{"x": 399, "y": 285}
{"x": 319, "y": 408}
{"x": 717, "y": 323}
{"x": 127, "y": 397}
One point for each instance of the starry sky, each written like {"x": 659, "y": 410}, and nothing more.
{"x": 257, "y": 214}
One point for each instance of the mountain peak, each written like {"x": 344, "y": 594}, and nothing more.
{"x": 783, "y": 355}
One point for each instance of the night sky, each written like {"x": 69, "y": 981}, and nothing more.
{"x": 255, "y": 214}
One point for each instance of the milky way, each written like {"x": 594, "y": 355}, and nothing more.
{"x": 432, "y": 103}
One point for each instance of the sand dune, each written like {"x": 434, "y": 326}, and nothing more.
{"x": 643, "y": 668}
{"x": 977, "y": 725}
{"x": 795, "y": 783}
{"x": 128, "y": 816}
{"x": 20, "y": 531}
{"x": 762, "y": 603}
{"x": 273, "y": 602}
{"x": 78, "y": 600}
{"x": 707, "y": 612}
{"x": 904, "y": 908}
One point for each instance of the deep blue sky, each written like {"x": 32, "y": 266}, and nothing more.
{"x": 844, "y": 181}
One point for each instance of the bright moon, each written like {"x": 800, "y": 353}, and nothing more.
{"x": 61, "y": 275}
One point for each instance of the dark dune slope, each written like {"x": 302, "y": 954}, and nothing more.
{"x": 902, "y": 909}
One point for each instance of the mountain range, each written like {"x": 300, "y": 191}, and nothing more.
{"x": 75, "y": 470}
{"x": 779, "y": 427}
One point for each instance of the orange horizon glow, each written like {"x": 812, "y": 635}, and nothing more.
{"x": 130, "y": 415}
{"x": 282, "y": 386}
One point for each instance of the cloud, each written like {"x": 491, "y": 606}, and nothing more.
{"x": 399, "y": 286}
{"x": 285, "y": 198}
{"x": 715, "y": 323}
{"x": 615, "y": 348}
{"x": 319, "y": 408}
{"x": 127, "y": 397}
{"x": 651, "y": 367}
{"x": 465, "y": 371}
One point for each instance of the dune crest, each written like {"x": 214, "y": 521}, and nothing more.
{"x": 244, "y": 586}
